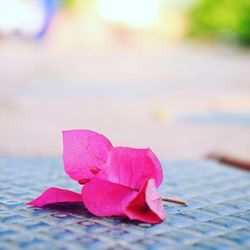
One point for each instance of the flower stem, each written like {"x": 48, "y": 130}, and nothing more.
{"x": 174, "y": 201}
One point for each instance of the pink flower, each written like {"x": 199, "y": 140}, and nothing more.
{"x": 118, "y": 181}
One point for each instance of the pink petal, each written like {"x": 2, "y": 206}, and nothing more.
{"x": 85, "y": 153}
{"x": 131, "y": 167}
{"x": 55, "y": 195}
{"x": 147, "y": 205}
{"x": 103, "y": 198}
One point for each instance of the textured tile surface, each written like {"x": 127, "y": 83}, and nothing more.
{"x": 217, "y": 217}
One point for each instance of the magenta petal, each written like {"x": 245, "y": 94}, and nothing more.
{"x": 85, "y": 153}
{"x": 147, "y": 205}
{"x": 103, "y": 198}
{"x": 55, "y": 195}
{"x": 131, "y": 167}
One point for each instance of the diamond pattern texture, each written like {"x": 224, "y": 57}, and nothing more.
{"x": 217, "y": 217}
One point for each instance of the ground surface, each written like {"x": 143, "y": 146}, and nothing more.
{"x": 217, "y": 215}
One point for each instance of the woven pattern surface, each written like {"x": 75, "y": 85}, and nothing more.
{"x": 217, "y": 217}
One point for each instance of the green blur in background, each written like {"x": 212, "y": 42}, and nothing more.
{"x": 226, "y": 20}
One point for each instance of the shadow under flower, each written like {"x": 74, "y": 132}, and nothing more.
{"x": 78, "y": 210}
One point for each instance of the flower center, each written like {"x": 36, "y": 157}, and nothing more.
{"x": 83, "y": 181}
{"x": 95, "y": 170}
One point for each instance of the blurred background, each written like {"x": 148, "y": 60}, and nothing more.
{"x": 173, "y": 75}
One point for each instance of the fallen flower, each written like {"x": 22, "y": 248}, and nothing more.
{"x": 117, "y": 181}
